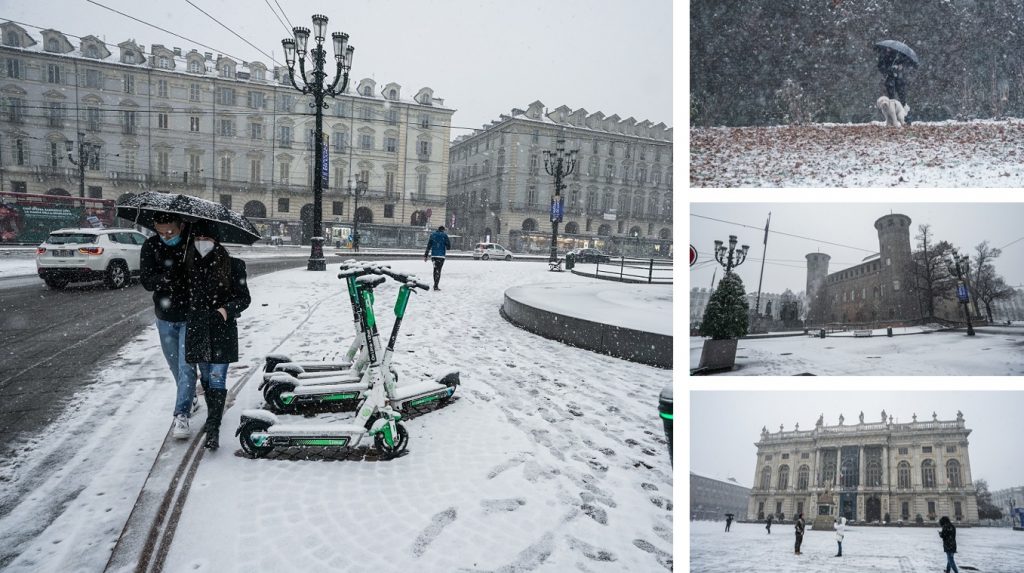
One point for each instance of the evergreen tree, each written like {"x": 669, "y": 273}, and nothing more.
{"x": 986, "y": 509}
{"x": 726, "y": 315}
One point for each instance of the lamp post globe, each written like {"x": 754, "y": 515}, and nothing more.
{"x": 313, "y": 84}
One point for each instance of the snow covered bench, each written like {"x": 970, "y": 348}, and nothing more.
{"x": 858, "y": 333}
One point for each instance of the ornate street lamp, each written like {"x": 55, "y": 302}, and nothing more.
{"x": 558, "y": 163}
{"x": 729, "y": 257}
{"x": 313, "y": 84}
{"x": 960, "y": 267}
{"x": 87, "y": 153}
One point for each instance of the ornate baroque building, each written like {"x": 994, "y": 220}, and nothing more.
{"x": 879, "y": 291}
{"x": 619, "y": 199}
{"x": 865, "y": 471}
{"x": 233, "y": 132}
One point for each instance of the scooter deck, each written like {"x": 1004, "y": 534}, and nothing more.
{"x": 326, "y": 389}
{"x": 419, "y": 394}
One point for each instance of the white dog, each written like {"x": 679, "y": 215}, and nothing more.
{"x": 893, "y": 111}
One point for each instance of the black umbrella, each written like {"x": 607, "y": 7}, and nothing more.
{"x": 900, "y": 49}
{"x": 225, "y": 224}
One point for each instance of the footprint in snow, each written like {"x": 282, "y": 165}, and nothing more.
{"x": 664, "y": 559}
{"x": 495, "y": 505}
{"x": 432, "y": 531}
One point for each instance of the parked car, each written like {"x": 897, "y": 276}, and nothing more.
{"x": 590, "y": 256}
{"x": 487, "y": 251}
{"x": 69, "y": 255}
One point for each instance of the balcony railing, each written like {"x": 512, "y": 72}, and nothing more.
{"x": 48, "y": 172}
{"x": 427, "y": 199}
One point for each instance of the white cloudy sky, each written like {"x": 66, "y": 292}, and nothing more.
{"x": 849, "y": 225}
{"x": 483, "y": 57}
{"x": 725, "y": 425}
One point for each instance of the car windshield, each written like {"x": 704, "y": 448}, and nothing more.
{"x": 71, "y": 238}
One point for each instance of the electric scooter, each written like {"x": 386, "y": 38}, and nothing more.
{"x": 285, "y": 393}
{"x": 351, "y": 360}
{"x": 260, "y": 431}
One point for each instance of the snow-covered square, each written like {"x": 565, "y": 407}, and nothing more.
{"x": 748, "y": 547}
{"x": 550, "y": 458}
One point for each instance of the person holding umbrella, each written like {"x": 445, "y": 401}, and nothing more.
{"x": 894, "y": 59}
{"x": 162, "y": 271}
{"x": 167, "y": 266}
{"x": 217, "y": 295}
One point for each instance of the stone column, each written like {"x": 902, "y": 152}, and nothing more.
{"x": 816, "y": 471}
{"x": 860, "y": 469}
{"x": 965, "y": 466}
{"x": 886, "y": 478}
{"x": 940, "y": 466}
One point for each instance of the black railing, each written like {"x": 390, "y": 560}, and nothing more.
{"x": 632, "y": 270}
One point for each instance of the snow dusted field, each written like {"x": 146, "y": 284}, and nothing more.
{"x": 550, "y": 458}
{"x": 747, "y": 547}
{"x": 942, "y": 154}
{"x": 994, "y": 351}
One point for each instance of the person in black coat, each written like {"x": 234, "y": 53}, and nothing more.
{"x": 162, "y": 271}
{"x": 769, "y": 524}
{"x": 799, "y": 531}
{"x": 728, "y": 521}
{"x": 893, "y": 66}
{"x": 218, "y": 294}
{"x": 948, "y": 535}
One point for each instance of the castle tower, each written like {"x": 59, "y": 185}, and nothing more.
{"x": 895, "y": 255}
{"x": 817, "y": 271}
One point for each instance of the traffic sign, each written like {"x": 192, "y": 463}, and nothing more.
{"x": 693, "y": 255}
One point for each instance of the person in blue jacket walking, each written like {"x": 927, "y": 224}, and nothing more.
{"x": 437, "y": 246}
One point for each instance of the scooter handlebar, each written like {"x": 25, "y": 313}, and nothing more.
{"x": 409, "y": 280}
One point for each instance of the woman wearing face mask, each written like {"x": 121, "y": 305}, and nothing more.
{"x": 217, "y": 296}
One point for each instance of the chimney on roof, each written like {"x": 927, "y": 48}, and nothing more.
{"x": 177, "y": 51}
{"x": 209, "y": 56}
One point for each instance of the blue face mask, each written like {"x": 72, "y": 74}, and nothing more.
{"x": 172, "y": 242}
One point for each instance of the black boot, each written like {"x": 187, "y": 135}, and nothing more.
{"x": 215, "y": 398}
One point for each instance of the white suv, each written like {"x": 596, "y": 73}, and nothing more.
{"x": 485, "y": 251}
{"x": 89, "y": 254}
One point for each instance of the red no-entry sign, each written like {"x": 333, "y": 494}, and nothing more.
{"x": 693, "y": 255}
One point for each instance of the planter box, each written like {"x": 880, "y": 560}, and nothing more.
{"x": 718, "y": 354}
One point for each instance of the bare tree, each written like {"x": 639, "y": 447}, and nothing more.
{"x": 930, "y": 272}
{"x": 983, "y": 255}
{"x": 990, "y": 287}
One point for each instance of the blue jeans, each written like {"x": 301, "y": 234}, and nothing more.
{"x": 214, "y": 374}
{"x": 172, "y": 342}
{"x": 950, "y": 565}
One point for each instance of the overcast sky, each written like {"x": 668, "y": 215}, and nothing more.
{"x": 483, "y": 57}
{"x": 849, "y": 225}
{"x": 725, "y": 425}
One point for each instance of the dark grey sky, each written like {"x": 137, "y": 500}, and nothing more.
{"x": 849, "y": 224}
{"x": 725, "y": 425}
{"x": 483, "y": 57}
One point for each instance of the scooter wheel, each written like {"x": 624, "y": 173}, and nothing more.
{"x": 245, "y": 438}
{"x": 273, "y": 397}
{"x": 387, "y": 452}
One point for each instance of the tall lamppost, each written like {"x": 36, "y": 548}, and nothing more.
{"x": 729, "y": 257}
{"x": 87, "y": 153}
{"x": 314, "y": 85}
{"x": 960, "y": 266}
{"x": 558, "y": 163}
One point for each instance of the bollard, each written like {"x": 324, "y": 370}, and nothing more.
{"x": 821, "y": 333}
{"x": 888, "y": 331}
{"x": 665, "y": 412}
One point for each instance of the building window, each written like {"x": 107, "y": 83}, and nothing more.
{"x": 161, "y": 120}
{"x": 226, "y": 96}
{"x": 766, "y": 478}
{"x": 421, "y": 184}
{"x": 256, "y": 100}
{"x": 958, "y": 510}
{"x": 128, "y": 122}
{"x": 95, "y": 192}
{"x": 53, "y": 73}
{"x": 196, "y": 67}
{"x": 92, "y": 79}
{"x": 255, "y": 171}
{"x": 926, "y": 449}
{"x": 129, "y": 161}
{"x": 783, "y": 482}
{"x": 163, "y": 163}
{"x": 337, "y": 208}
{"x": 535, "y": 136}
{"x": 339, "y": 138}
{"x": 285, "y": 135}
{"x": 225, "y": 71}
{"x": 903, "y": 475}
{"x": 391, "y": 144}
{"x": 785, "y": 456}
{"x": 424, "y": 121}
{"x": 366, "y": 141}
{"x": 195, "y": 165}
{"x": 193, "y": 123}
{"x": 803, "y": 456}
{"x": 55, "y": 154}
{"x": 256, "y": 131}
{"x": 803, "y": 477}
{"x": 873, "y": 473}
{"x": 389, "y": 211}
{"x": 531, "y": 199}
{"x": 389, "y": 182}
{"x": 164, "y": 63}
{"x": 13, "y": 68}
{"x": 931, "y": 509}
{"x": 14, "y": 109}
{"x": 365, "y": 113}
{"x": 534, "y": 164}
{"x": 282, "y": 205}
{"x": 903, "y": 451}
{"x": 285, "y": 103}
{"x": 393, "y": 116}
{"x": 129, "y": 84}
{"x": 227, "y": 127}
{"x": 950, "y": 449}
{"x": 423, "y": 148}
{"x": 161, "y": 88}
{"x": 284, "y": 172}
{"x": 928, "y": 473}
{"x": 953, "y": 478}
{"x": 225, "y": 168}
{"x": 193, "y": 92}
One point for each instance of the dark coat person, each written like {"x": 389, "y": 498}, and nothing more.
{"x": 948, "y": 535}
{"x": 799, "y": 531}
{"x": 768, "y": 525}
{"x": 437, "y": 247}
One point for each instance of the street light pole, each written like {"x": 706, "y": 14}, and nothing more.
{"x": 86, "y": 151}
{"x": 961, "y": 267}
{"x": 729, "y": 257}
{"x": 558, "y": 163}
{"x": 315, "y": 86}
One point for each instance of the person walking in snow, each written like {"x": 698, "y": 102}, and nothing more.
{"x": 799, "y": 530}
{"x": 218, "y": 294}
{"x": 948, "y": 535}
{"x": 840, "y": 531}
{"x": 893, "y": 66}
{"x": 162, "y": 271}
{"x": 768, "y": 526}
{"x": 437, "y": 245}
{"x": 728, "y": 521}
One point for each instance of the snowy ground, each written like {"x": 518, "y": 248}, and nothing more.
{"x": 747, "y": 547}
{"x": 994, "y": 351}
{"x": 944, "y": 154}
{"x": 636, "y": 306}
{"x": 550, "y": 458}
